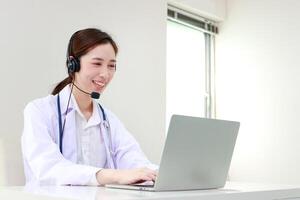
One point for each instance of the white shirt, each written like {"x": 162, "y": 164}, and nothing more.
{"x": 90, "y": 145}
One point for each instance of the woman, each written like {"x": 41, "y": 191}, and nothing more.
{"x": 68, "y": 138}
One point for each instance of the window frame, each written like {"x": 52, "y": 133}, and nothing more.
{"x": 210, "y": 29}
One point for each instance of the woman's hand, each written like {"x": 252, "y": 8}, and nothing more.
{"x": 128, "y": 176}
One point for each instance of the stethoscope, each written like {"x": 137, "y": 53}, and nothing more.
{"x": 104, "y": 123}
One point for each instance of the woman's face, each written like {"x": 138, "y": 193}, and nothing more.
{"x": 97, "y": 68}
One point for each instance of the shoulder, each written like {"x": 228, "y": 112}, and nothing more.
{"x": 41, "y": 105}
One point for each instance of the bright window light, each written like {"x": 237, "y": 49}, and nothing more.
{"x": 185, "y": 71}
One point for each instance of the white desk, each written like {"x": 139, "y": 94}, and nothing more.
{"x": 232, "y": 191}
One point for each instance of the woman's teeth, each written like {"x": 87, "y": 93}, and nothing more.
{"x": 99, "y": 83}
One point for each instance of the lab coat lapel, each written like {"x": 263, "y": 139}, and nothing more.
{"x": 106, "y": 141}
{"x": 69, "y": 135}
{"x": 70, "y": 138}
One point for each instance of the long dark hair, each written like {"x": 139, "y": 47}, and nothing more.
{"x": 80, "y": 43}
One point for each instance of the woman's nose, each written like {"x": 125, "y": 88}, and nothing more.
{"x": 105, "y": 73}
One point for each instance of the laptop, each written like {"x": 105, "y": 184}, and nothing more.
{"x": 196, "y": 155}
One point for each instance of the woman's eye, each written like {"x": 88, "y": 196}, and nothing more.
{"x": 112, "y": 66}
{"x": 98, "y": 64}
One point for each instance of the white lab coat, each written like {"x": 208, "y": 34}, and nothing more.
{"x": 43, "y": 162}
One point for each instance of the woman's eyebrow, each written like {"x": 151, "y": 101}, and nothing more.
{"x": 101, "y": 59}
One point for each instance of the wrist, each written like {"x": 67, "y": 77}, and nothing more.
{"x": 107, "y": 176}
{"x": 113, "y": 176}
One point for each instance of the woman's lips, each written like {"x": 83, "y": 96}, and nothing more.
{"x": 98, "y": 84}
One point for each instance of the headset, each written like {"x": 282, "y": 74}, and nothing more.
{"x": 73, "y": 63}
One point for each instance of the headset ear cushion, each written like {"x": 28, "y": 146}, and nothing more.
{"x": 73, "y": 65}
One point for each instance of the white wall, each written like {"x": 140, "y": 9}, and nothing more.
{"x": 257, "y": 74}
{"x": 33, "y": 38}
{"x": 212, "y": 9}
{"x": 258, "y": 84}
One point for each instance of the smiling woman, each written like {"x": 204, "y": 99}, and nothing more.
{"x": 70, "y": 139}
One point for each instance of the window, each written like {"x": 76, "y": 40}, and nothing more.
{"x": 190, "y": 66}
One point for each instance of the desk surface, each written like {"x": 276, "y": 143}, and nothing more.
{"x": 232, "y": 191}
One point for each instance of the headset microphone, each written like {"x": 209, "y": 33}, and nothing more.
{"x": 94, "y": 95}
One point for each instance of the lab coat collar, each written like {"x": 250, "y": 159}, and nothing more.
{"x": 64, "y": 97}
{"x": 95, "y": 118}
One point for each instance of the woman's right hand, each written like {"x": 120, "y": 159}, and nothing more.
{"x": 125, "y": 176}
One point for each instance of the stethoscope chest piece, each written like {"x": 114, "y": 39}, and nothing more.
{"x": 105, "y": 124}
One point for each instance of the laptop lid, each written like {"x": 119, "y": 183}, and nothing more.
{"x": 197, "y": 153}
